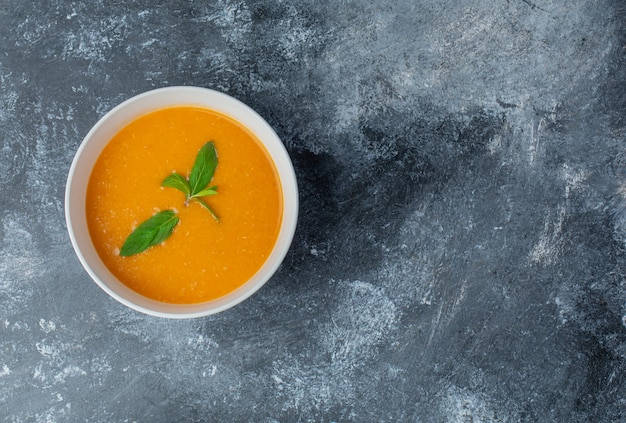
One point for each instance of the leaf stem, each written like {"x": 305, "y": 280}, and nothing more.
{"x": 206, "y": 206}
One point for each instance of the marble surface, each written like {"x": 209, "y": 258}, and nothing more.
{"x": 460, "y": 253}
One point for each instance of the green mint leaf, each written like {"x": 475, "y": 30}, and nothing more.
{"x": 206, "y": 206}
{"x": 206, "y": 192}
{"x": 203, "y": 168}
{"x": 151, "y": 232}
{"x": 177, "y": 181}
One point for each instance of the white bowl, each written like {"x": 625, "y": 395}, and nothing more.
{"x": 101, "y": 134}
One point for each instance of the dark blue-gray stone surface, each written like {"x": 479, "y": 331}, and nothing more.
{"x": 460, "y": 253}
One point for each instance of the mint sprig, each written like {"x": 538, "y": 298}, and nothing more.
{"x": 201, "y": 175}
{"x": 160, "y": 226}
{"x": 151, "y": 232}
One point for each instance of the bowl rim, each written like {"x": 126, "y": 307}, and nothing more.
{"x": 224, "y": 104}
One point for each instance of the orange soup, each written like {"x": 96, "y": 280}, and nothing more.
{"x": 203, "y": 259}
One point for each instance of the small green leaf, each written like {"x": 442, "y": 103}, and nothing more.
{"x": 151, "y": 232}
{"x": 206, "y": 192}
{"x": 203, "y": 168}
{"x": 206, "y": 206}
{"x": 177, "y": 181}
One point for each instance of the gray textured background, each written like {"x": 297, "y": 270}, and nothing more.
{"x": 460, "y": 255}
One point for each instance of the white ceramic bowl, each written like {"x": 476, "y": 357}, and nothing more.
{"x": 99, "y": 136}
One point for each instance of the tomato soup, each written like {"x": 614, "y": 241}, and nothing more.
{"x": 203, "y": 259}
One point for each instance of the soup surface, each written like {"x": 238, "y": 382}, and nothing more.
{"x": 203, "y": 259}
